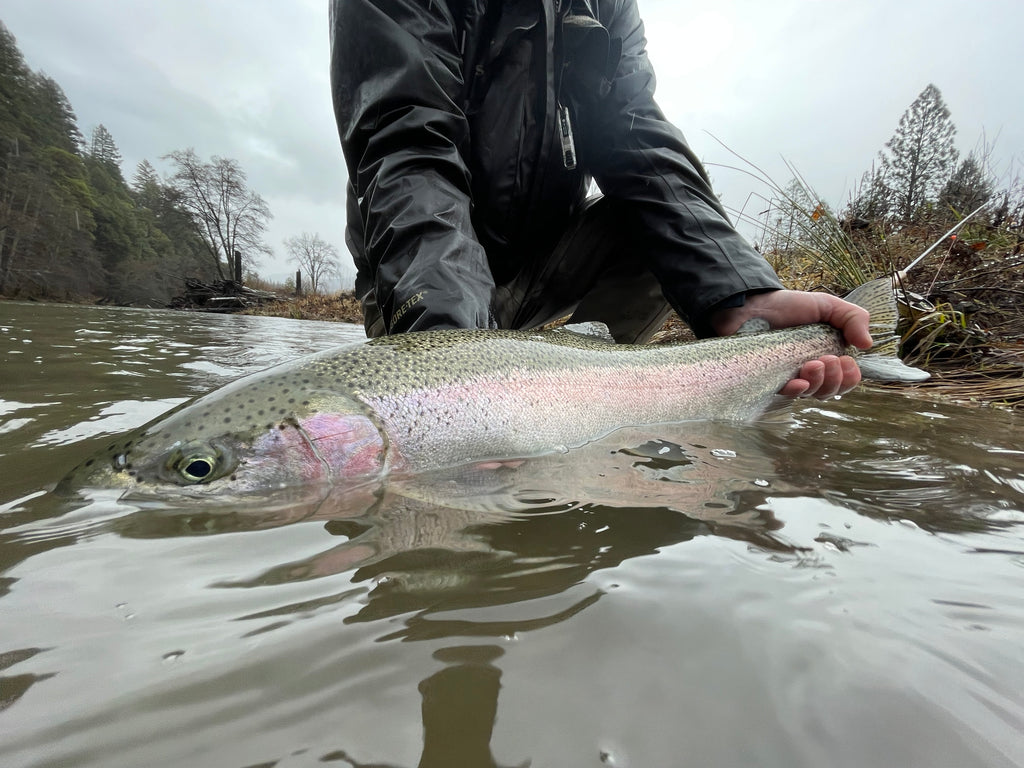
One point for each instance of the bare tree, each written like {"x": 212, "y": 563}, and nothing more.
{"x": 230, "y": 216}
{"x": 316, "y": 257}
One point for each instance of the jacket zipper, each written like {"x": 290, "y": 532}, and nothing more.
{"x": 565, "y": 136}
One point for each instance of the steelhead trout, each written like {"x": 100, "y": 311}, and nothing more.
{"x": 422, "y": 401}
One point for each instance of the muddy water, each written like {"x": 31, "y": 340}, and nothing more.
{"x": 842, "y": 585}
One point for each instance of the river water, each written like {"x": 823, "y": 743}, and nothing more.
{"x": 840, "y": 584}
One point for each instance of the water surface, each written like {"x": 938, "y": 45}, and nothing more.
{"x": 842, "y": 585}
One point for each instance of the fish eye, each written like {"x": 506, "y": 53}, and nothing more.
{"x": 195, "y": 468}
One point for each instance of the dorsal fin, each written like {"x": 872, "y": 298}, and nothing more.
{"x": 591, "y": 329}
{"x": 754, "y": 325}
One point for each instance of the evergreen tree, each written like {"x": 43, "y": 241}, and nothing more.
{"x": 54, "y": 122}
{"x": 103, "y": 149}
{"x": 968, "y": 188}
{"x": 145, "y": 179}
{"x": 15, "y": 92}
{"x": 920, "y": 157}
{"x": 871, "y": 201}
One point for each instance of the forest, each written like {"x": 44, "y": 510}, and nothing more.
{"x": 73, "y": 228}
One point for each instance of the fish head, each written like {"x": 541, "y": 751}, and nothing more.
{"x": 225, "y": 445}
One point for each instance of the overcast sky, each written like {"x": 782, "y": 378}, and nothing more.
{"x": 819, "y": 84}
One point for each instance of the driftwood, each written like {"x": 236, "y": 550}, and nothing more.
{"x": 220, "y": 296}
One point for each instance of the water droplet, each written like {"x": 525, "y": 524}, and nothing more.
{"x": 172, "y": 656}
{"x": 723, "y": 453}
{"x": 761, "y": 483}
{"x": 664, "y": 450}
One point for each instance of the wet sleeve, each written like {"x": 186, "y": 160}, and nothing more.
{"x": 396, "y": 81}
{"x": 637, "y": 156}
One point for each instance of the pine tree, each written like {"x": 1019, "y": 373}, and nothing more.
{"x": 145, "y": 177}
{"x": 103, "y": 149}
{"x": 53, "y": 120}
{"x": 920, "y": 157}
{"x": 968, "y": 188}
{"x": 871, "y": 200}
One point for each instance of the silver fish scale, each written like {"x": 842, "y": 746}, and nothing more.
{"x": 452, "y": 396}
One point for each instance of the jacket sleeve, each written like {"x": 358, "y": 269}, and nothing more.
{"x": 638, "y": 157}
{"x": 396, "y": 81}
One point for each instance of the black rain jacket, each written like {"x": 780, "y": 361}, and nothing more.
{"x": 471, "y": 130}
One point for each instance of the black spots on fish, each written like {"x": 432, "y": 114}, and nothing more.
{"x": 291, "y": 401}
{"x": 305, "y": 402}
{"x": 227, "y": 420}
{"x": 260, "y": 412}
{"x": 268, "y": 426}
{"x": 282, "y": 426}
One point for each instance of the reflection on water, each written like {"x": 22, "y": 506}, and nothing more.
{"x": 839, "y": 586}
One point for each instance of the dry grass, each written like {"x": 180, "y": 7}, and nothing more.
{"x": 340, "y": 307}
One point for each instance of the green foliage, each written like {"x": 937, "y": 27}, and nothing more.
{"x": 103, "y": 150}
{"x": 69, "y": 224}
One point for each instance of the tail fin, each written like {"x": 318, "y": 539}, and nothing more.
{"x": 882, "y": 361}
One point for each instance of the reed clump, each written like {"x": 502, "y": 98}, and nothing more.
{"x": 962, "y": 305}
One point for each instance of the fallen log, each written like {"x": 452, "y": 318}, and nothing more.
{"x": 220, "y": 296}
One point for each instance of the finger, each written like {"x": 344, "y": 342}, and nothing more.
{"x": 852, "y": 320}
{"x": 840, "y": 375}
{"x": 814, "y": 373}
{"x": 851, "y": 374}
{"x": 831, "y": 378}
{"x": 794, "y": 388}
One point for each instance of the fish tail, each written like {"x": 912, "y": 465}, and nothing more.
{"x": 882, "y": 362}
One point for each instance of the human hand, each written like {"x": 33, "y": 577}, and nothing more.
{"x": 827, "y": 376}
